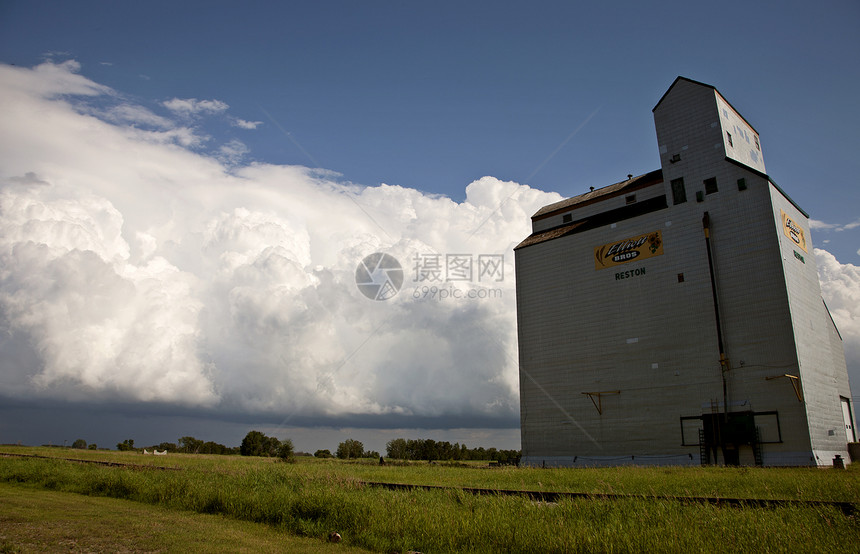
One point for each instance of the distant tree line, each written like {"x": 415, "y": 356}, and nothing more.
{"x": 255, "y": 443}
{"x": 428, "y": 449}
{"x": 81, "y": 444}
{"x": 185, "y": 445}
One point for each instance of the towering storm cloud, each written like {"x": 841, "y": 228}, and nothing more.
{"x": 138, "y": 267}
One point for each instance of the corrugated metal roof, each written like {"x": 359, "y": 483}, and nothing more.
{"x": 550, "y": 234}
{"x": 600, "y": 194}
{"x": 597, "y": 220}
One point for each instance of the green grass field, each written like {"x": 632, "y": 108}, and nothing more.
{"x": 38, "y": 520}
{"x": 312, "y": 498}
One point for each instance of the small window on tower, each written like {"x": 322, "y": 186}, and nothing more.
{"x": 729, "y": 137}
{"x": 679, "y": 194}
{"x": 757, "y": 147}
{"x": 566, "y": 218}
{"x": 710, "y": 185}
{"x": 630, "y": 199}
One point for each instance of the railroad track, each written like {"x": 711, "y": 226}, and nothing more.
{"x": 847, "y": 508}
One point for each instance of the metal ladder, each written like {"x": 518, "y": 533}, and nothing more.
{"x": 704, "y": 455}
{"x": 757, "y": 448}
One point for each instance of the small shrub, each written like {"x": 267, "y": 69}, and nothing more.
{"x": 285, "y": 451}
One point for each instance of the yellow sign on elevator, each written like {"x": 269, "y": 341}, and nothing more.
{"x": 627, "y": 250}
{"x": 793, "y": 231}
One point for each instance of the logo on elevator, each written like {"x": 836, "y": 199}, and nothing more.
{"x": 627, "y": 250}
{"x": 793, "y": 231}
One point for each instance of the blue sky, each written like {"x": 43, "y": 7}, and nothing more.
{"x": 435, "y": 95}
{"x": 428, "y": 98}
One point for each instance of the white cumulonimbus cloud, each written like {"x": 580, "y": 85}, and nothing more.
{"x": 840, "y": 287}
{"x": 135, "y": 269}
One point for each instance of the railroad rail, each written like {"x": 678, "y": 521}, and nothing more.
{"x": 847, "y": 508}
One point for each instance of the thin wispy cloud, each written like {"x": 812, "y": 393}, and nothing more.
{"x": 232, "y": 152}
{"x": 137, "y": 115}
{"x": 242, "y": 124}
{"x": 193, "y": 106}
{"x": 823, "y": 226}
{"x": 820, "y": 225}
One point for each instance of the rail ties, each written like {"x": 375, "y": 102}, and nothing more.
{"x": 847, "y": 508}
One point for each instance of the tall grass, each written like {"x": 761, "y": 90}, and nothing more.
{"x": 725, "y": 482}
{"x": 743, "y": 482}
{"x": 314, "y": 499}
